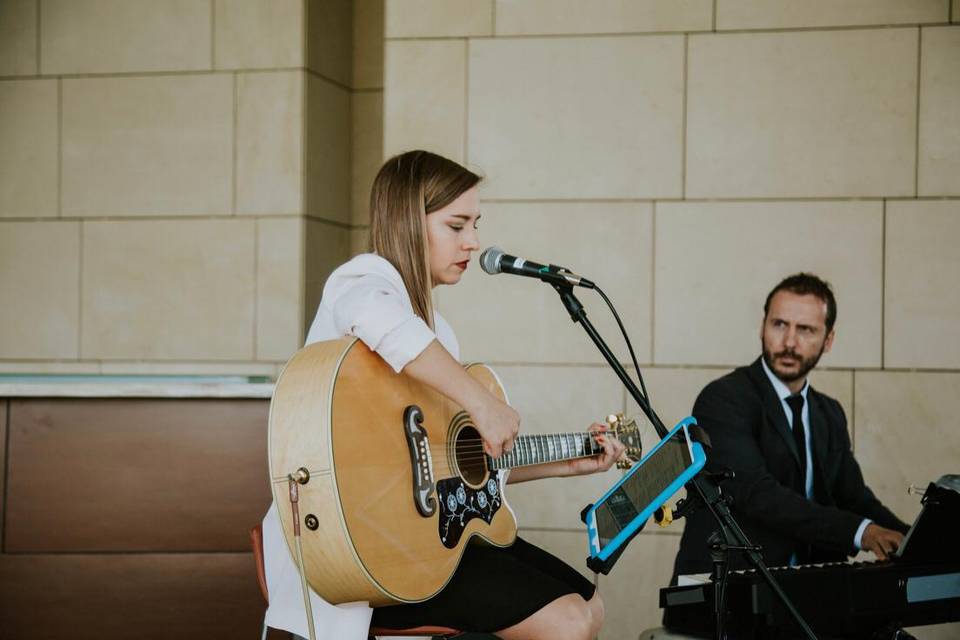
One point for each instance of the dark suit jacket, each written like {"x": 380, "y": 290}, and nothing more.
{"x": 751, "y": 436}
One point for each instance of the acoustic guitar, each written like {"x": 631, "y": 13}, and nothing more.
{"x": 394, "y": 479}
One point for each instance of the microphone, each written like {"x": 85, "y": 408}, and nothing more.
{"x": 493, "y": 260}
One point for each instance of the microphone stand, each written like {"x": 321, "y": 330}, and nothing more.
{"x": 700, "y": 491}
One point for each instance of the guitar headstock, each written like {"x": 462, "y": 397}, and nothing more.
{"x": 628, "y": 433}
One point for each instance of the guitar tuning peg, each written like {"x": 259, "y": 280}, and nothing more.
{"x": 914, "y": 490}
{"x": 614, "y": 418}
{"x": 624, "y": 464}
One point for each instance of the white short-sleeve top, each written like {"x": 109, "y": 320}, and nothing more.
{"x": 366, "y": 298}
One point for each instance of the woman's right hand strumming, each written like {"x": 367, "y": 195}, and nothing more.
{"x": 497, "y": 422}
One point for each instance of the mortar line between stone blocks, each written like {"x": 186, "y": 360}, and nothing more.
{"x": 853, "y": 412}
{"x": 213, "y": 34}
{"x": 683, "y": 126}
{"x": 653, "y": 282}
{"x": 256, "y": 283}
{"x": 233, "y": 170}
{"x": 916, "y": 138}
{"x": 59, "y": 147}
{"x": 320, "y": 76}
{"x": 39, "y": 51}
{"x": 304, "y": 132}
{"x": 674, "y": 32}
{"x": 466, "y": 99}
{"x": 302, "y": 289}
{"x": 883, "y": 285}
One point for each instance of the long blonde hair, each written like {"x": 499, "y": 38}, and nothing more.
{"x": 407, "y": 188}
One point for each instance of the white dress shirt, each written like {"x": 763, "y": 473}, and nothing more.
{"x": 783, "y": 392}
{"x": 365, "y": 298}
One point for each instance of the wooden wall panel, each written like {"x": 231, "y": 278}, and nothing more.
{"x": 135, "y": 475}
{"x": 144, "y": 596}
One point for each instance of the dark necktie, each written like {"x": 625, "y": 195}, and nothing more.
{"x": 799, "y": 434}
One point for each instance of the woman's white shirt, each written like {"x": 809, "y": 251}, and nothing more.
{"x": 366, "y": 298}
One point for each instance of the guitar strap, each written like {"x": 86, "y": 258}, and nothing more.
{"x": 294, "y": 503}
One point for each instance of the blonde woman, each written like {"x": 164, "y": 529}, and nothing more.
{"x": 424, "y": 217}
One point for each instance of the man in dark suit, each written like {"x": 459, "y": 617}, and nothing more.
{"x": 798, "y": 491}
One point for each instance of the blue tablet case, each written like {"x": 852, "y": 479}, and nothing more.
{"x": 604, "y": 555}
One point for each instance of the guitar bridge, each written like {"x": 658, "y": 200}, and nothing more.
{"x": 421, "y": 462}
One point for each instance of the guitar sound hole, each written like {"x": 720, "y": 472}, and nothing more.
{"x": 471, "y": 460}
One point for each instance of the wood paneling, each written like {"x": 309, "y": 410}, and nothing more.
{"x": 3, "y": 461}
{"x": 143, "y": 596}
{"x": 135, "y": 475}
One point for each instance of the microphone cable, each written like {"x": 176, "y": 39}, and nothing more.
{"x": 633, "y": 356}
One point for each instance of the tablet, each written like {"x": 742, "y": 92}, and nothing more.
{"x": 621, "y": 512}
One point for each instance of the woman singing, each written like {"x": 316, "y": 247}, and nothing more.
{"x": 424, "y": 212}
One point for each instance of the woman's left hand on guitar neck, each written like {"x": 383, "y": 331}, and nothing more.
{"x": 613, "y": 450}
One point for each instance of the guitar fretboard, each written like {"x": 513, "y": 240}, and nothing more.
{"x": 538, "y": 449}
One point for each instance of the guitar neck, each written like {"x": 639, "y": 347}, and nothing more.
{"x": 539, "y": 449}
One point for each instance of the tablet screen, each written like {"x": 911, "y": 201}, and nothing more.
{"x": 637, "y": 492}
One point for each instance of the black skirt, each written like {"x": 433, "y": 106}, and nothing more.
{"x": 492, "y": 589}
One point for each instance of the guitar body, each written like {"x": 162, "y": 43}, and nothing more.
{"x": 372, "y": 529}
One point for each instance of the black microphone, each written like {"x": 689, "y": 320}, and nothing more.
{"x": 493, "y": 260}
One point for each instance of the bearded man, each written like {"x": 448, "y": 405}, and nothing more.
{"x": 797, "y": 491}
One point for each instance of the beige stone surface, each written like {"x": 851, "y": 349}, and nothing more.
{"x": 328, "y": 150}
{"x": 330, "y": 39}
{"x": 270, "y": 140}
{"x": 359, "y": 240}
{"x": 939, "y": 148}
{"x": 147, "y": 145}
{"x": 922, "y": 302}
{"x": 115, "y": 36}
{"x": 28, "y": 154}
{"x": 762, "y": 123}
{"x": 40, "y": 289}
{"x": 955, "y": 11}
{"x": 577, "y": 117}
{"x": 602, "y": 16}
{"x": 521, "y": 320}
{"x": 280, "y": 279}
{"x": 906, "y": 433}
{"x": 709, "y": 300}
{"x": 368, "y": 28}
{"x": 631, "y": 591}
{"x": 424, "y": 97}
{"x": 258, "y": 34}
{"x": 438, "y": 18}
{"x": 18, "y": 37}
{"x": 189, "y": 368}
{"x": 762, "y": 14}
{"x": 327, "y": 247}
{"x": 366, "y": 151}
{"x": 559, "y": 400}
{"x": 48, "y": 368}
{"x": 168, "y": 289}
{"x": 672, "y": 392}
{"x": 569, "y": 546}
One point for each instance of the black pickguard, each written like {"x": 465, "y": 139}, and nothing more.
{"x": 460, "y": 503}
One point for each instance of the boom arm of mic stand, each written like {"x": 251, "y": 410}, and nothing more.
{"x": 579, "y": 315}
{"x": 710, "y": 495}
